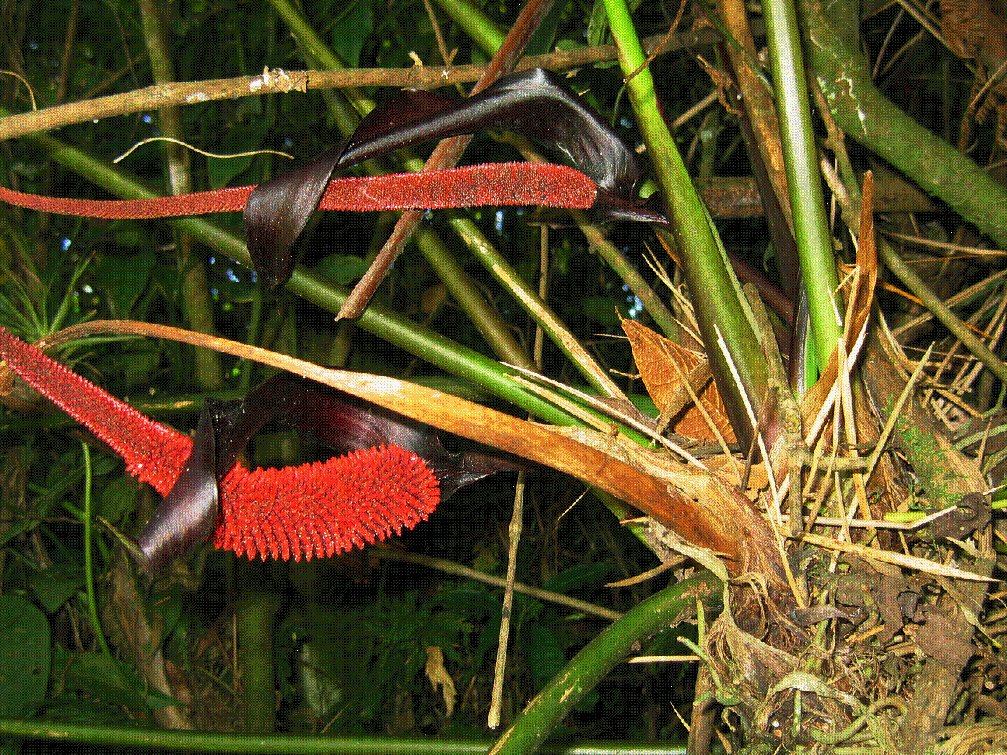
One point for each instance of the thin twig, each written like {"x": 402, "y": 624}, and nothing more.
{"x": 450, "y": 567}
{"x": 503, "y": 639}
{"x": 279, "y": 81}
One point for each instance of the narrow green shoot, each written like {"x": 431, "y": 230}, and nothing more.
{"x": 715, "y": 291}
{"x": 807, "y": 201}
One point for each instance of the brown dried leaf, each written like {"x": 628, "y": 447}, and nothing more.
{"x": 656, "y": 358}
{"x": 975, "y": 29}
{"x": 440, "y": 678}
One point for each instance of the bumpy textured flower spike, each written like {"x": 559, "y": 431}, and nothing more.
{"x": 297, "y": 512}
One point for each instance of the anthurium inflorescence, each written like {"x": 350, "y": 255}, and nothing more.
{"x": 305, "y": 511}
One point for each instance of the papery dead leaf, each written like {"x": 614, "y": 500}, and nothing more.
{"x": 440, "y": 678}
{"x": 656, "y": 358}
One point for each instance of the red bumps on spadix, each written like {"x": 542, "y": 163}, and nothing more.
{"x": 321, "y": 509}
{"x": 541, "y": 184}
{"x": 154, "y": 453}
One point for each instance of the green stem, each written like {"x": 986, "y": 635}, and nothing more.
{"x": 281, "y": 744}
{"x": 486, "y": 319}
{"x": 652, "y": 303}
{"x": 804, "y": 180}
{"x": 474, "y": 22}
{"x": 92, "y": 602}
{"x": 535, "y": 306}
{"x": 866, "y": 115}
{"x": 598, "y": 658}
{"x": 724, "y": 323}
{"x": 315, "y": 47}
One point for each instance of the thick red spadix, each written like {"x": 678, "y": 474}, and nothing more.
{"x": 324, "y": 508}
{"x": 540, "y": 184}
{"x": 295, "y": 512}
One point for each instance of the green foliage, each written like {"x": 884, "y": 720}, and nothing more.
{"x": 25, "y": 656}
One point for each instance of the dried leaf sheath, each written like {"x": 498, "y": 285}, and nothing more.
{"x": 310, "y": 510}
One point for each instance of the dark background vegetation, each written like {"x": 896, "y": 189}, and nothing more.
{"x": 348, "y": 634}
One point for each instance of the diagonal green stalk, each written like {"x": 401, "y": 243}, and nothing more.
{"x": 92, "y": 601}
{"x": 804, "y": 179}
{"x": 724, "y": 321}
{"x": 609, "y": 648}
{"x": 867, "y": 116}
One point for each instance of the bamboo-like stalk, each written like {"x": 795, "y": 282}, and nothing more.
{"x": 195, "y": 290}
{"x": 474, "y": 22}
{"x": 726, "y": 328}
{"x": 804, "y": 179}
{"x": 255, "y": 616}
{"x": 293, "y": 744}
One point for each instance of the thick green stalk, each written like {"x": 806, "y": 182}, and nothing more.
{"x": 609, "y": 648}
{"x": 282, "y": 744}
{"x": 724, "y": 323}
{"x": 804, "y": 179}
{"x": 866, "y": 115}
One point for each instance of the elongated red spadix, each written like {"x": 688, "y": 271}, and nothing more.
{"x": 310, "y": 510}
{"x": 540, "y": 184}
{"x": 324, "y": 508}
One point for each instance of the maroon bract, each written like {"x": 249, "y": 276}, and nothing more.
{"x": 535, "y": 103}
